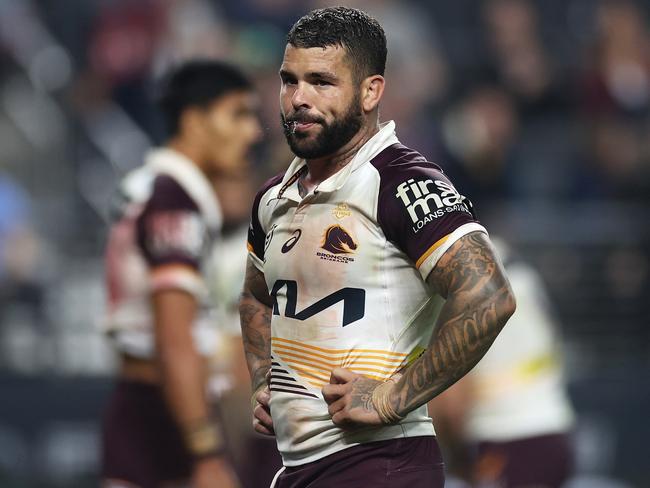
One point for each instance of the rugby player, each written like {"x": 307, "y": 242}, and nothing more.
{"x": 158, "y": 429}
{"x": 370, "y": 287}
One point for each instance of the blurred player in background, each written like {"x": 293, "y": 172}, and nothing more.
{"x": 158, "y": 428}
{"x": 353, "y": 252}
{"x": 507, "y": 423}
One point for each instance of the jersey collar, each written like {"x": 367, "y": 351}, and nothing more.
{"x": 190, "y": 177}
{"x": 381, "y": 140}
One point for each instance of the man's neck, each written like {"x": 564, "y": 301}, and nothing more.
{"x": 187, "y": 150}
{"x": 321, "y": 169}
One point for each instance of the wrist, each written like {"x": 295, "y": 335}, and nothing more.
{"x": 204, "y": 440}
{"x": 382, "y": 400}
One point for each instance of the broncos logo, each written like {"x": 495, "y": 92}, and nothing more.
{"x": 338, "y": 241}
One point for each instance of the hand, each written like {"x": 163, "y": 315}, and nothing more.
{"x": 262, "y": 421}
{"x": 349, "y": 399}
{"x": 214, "y": 472}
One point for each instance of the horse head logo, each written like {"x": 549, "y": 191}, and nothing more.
{"x": 338, "y": 241}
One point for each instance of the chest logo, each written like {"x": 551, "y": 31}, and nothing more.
{"x": 338, "y": 241}
{"x": 287, "y": 246}
{"x": 339, "y": 244}
{"x": 341, "y": 211}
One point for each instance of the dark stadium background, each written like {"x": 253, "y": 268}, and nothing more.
{"x": 539, "y": 111}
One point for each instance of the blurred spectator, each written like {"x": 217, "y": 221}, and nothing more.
{"x": 518, "y": 60}
{"x": 478, "y": 135}
{"x": 508, "y": 422}
{"x": 615, "y": 102}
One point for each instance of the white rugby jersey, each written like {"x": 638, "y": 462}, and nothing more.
{"x": 519, "y": 384}
{"x": 345, "y": 266}
{"x": 166, "y": 217}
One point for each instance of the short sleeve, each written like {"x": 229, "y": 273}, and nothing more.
{"x": 422, "y": 213}
{"x": 172, "y": 236}
{"x": 256, "y": 233}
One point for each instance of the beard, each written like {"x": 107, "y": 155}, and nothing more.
{"x": 332, "y": 136}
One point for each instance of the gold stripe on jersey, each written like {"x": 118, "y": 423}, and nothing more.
{"x": 316, "y": 367}
{"x": 338, "y": 351}
{"x": 429, "y": 251}
{"x": 340, "y": 364}
{"x": 358, "y": 359}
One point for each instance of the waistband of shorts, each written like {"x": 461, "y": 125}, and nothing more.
{"x": 403, "y": 430}
{"x": 360, "y": 449}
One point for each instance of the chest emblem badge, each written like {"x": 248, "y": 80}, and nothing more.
{"x": 338, "y": 241}
{"x": 341, "y": 211}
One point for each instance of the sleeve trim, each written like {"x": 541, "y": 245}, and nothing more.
{"x": 257, "y": 262}
{"x": 178, "y": 277}
{"x": 428, "y": 252}
{"x": 432, "y": 259}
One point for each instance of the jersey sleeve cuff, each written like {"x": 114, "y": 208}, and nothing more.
{"x": 178, "y": 277}
{"x": 259, "y": 264}
{"x": 429, "y": 259}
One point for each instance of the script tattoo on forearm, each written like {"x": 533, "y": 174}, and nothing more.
{"x": 255, "y": 318}
{"x": 479, "y": 302}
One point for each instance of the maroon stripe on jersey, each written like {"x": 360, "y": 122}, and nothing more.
{"x": 256, "y": 235}
{"x": 417, "y": 204}
{"x": 303, "y": 393}
{"x": 162, "y": 227}
{"x": 289, "y": 385}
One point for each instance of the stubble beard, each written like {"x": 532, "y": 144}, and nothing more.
{"x": 332, "y": 136}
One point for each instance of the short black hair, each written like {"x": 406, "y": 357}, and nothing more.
{"x": 197, "y": 83}
{"x": 361, "y": 35}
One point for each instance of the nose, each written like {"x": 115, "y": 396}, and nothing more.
{"x": 300, "y": 98}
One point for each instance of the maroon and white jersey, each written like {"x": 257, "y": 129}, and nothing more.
{"x": 346, "y": 268}
{"x": 166, "y": 219}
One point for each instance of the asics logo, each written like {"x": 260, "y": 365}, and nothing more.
{"x": 287, "y": 246}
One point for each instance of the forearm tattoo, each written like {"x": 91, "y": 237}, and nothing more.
{"x": 255, "y": 318}
{"x": 479, "y": 302}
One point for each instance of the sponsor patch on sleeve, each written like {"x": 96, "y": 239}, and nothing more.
{"x": 420, "y": 209}
{"x": 175, "y": 233}
{"x": 427, "y": 200}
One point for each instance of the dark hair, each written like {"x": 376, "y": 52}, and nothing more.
{"x": 197, "y": 83}
{"x": 356, "y": 31}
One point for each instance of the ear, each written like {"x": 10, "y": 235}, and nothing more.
{"x": 191, "y": 123}
{"x": 372, "y": 88}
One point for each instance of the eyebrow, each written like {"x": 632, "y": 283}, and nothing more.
{"x": 325, "y": 75}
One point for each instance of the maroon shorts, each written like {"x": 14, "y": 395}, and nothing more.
{"x": 543, "y": 461}
{"x": 413, "y": 462}
{"x": 141, "y": 443}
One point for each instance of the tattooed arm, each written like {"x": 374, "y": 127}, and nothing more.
{"x": 479, "y": 301}
{"x": 255, "y": 318}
